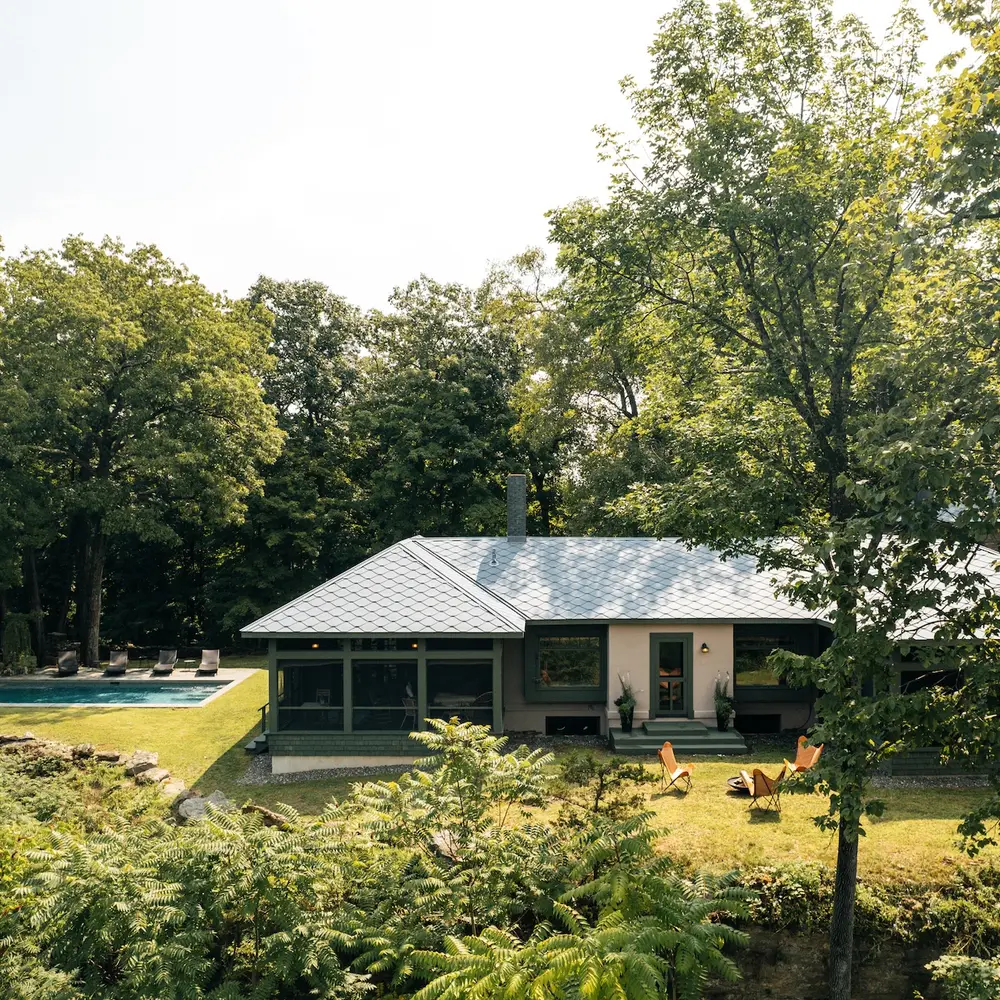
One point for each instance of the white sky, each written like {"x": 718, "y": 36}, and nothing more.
{"x": 356, "y": 143}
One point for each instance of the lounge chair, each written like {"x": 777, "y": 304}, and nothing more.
{"x": 165, "y": 664}
{"x": 209, "y": 665}
{"x": 805, "y": 757}
{"x": 117, "y": 663}
{"x": 669, "y": 768}
{"x": 763, "y": 789}
{"x": 67, "y": 663}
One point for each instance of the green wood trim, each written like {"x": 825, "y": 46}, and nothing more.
{"x": 348, "y": 694}
{"x": 497, "y": 686}
{"x": 422, "y": 688}
{"x": 687, "y": 640}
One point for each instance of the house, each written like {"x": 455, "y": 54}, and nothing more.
{"x": 528, "y": 634}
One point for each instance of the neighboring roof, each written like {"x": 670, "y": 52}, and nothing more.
{"x": 492, "y": 585}
{"x": 401, "y": 590}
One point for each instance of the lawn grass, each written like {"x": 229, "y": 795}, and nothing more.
{"x": 709, "y": 827}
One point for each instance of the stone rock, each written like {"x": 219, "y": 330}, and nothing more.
{"x": 108, "y": 756}
{"x": 141, "y": 760}
{"x": 172, "y": 788}
{"x": 219, "y": 800}
{"x": 13, "y": 738}
{"x": 191, "y": 806}
{"x": 152, "y": 776}
{"x": 83, "y": 750}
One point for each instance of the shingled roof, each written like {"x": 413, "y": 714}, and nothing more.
{"x": 478, "y": 586}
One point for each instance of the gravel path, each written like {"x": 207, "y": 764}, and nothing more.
{"x": 258, "y": 772}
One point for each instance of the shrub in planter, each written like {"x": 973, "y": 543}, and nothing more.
{"x": 625, "y": 703}
{"x": 725, "y": 706}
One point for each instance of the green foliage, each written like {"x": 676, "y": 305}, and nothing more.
{"x": 591, "y": 785}
{"x": 963, "y": 978}
{"x": 16, "y": 656}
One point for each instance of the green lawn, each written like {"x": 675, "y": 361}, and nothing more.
{"x": 710, "y": 827}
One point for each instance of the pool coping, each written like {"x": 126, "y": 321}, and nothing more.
{"x": 226, "y": 679}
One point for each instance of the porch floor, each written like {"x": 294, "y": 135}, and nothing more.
{"x": 688, "y": 736}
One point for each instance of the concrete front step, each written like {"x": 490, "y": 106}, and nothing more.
{"x": 711, "y": 742}
{"x": 677, "y": 727}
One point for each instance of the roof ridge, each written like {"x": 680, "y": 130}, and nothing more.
{"x": 319, "y": 586}
{"x": 471, "y": 588}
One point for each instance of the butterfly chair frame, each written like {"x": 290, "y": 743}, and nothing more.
{"x": 765, "y": 792}
{"x": 671, "y": 773}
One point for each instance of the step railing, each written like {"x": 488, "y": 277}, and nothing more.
{"x": 263, "y": 718}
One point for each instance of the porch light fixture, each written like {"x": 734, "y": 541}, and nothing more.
{"x": 704, "y": 647}
{"x": 414, "y": 645}
{"x": 315, "y": 645}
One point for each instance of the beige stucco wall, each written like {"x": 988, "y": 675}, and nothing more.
{"x": 628, "y": 653}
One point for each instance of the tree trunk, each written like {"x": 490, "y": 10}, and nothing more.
{"x": 542, "y": 494}
{"x": 36, "y": 606}
{"x": 94, "y": 576}
{"x": 842, "y": 924}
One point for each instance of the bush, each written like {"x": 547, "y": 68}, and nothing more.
{"x": 963, "y": 978}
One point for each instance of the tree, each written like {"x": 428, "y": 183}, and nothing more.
{"x": 433, "y": 416}
{"x": 137, "y": 393}
{"x": 814, "y": 357}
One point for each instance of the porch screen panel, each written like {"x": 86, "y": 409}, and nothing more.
{"x": 311, "y": 695}
{"x": 461, "y": 689}
{"x": 384, "y": 694}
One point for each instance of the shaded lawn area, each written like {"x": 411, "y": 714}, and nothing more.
{"x": 709, "y": 827}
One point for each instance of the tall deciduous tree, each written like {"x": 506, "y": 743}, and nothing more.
{"x": 771, "y": 226}
{"x": 434, "y": 414}
{"x": 134, "y": 391}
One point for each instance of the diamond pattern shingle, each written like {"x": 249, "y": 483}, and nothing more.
{"x": 397, "y": 590}
{"x": 615, "y": 578}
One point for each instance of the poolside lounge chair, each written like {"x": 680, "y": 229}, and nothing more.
{"x": 209, "y": 665}
{"x": 763, "y": 789}
{"x": 805, "y": 757}
{"x": 669, "y": 768}
{"x": 165, "y": 664}
{"x": 67, "y": 663}
{"x": 117, "y": 663}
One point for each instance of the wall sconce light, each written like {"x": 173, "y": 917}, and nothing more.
{"x": 704, "y": 647}
{"x": 414, "y": 645}
{"x": 315, "y": 645}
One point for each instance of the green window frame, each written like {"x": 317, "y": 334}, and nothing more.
{"x": 535, "y": 688}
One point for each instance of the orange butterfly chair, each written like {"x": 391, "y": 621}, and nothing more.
{"x": 805, "y": 757}
{"x": 669, "y": 768}
{"x": 763, "y": 789}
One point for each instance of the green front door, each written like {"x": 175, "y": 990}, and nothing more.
{"x": 670, "y": 674}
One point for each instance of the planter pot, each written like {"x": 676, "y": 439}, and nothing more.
{"x": 626, "y": 721}
{"x": 722, "y": 722}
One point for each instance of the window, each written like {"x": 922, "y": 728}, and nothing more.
{"x": 385, "y": 644}
{"x": 750, "y": 655}
{"x": 569, "y": 661}
{"x": 912, "y": 680}
{"x": 462, "y": 688}
{"x": 384, "y": 694}
{"x": 311, "y": 695}
{"x": 566, "y": 663}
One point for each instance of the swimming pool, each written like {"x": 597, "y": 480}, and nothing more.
{"x": 148, "y": 693}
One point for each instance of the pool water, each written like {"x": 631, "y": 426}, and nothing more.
{"x": 99, "y": 693}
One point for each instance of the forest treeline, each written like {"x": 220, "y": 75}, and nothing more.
{"x": 175, "y": 463}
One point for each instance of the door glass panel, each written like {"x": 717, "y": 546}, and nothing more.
{"x": 670, "y": 661}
